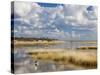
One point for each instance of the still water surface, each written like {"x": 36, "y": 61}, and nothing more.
{"x": 25, "y": 64}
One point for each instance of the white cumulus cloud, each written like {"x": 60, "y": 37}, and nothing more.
{"x": 57, "y": 22}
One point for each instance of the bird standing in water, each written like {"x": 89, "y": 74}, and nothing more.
{"x": 36, "y": 63}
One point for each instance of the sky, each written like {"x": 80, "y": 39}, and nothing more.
{"x": 58, "y": 21}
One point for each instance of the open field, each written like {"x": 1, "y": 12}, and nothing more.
{"x": 40, "y": 42}
{"x": 25, "y": 42}
{"x": 87, "y": 48}
{"x": 87, "y": 59}
{"x": 47, "y": 43}
{"x": 56, "y": 55}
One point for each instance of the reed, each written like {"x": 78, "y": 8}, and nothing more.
{"x": 87, "y": 48}
{"x": 84, "y": 59}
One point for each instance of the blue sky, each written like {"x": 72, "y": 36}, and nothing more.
{"x": 49, "y": 4}
{"x": 60, "y": 21}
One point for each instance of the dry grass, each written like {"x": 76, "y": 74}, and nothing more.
{"x": 85, "y": 59}
{"x": 89, "y": 42}
{"x": 88, "y": 48}
{"x": 45, "y": 43}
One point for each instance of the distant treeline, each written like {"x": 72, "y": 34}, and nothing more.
{"x": 32, "y": 39}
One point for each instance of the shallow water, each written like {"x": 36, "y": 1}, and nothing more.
{"x": 25, "y": 64}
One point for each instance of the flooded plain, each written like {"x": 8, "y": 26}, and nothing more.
{"x": 25, "y": 63}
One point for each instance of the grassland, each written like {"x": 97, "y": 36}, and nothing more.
{"x": 85, "y": 56}
{"x": 86, "y": 59}
{"x": 87, "y": 48}
{"x": 39, "y": 42}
